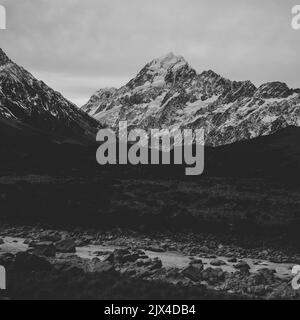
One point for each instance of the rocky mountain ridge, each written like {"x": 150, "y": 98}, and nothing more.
{"x": 26, "y": 101}
{"x": 169, "y": 94}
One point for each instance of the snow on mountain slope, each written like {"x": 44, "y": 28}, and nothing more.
{"x": 168, "y": 93}
{"x": 26, "y": 100}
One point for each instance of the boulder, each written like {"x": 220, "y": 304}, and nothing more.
{"x": 50, "y": 236}
{"x": 96, "y": 266}
{"x": 145, "y": 262}
{"x": 66, "y": 246}
{"x": 193, "y": 271}
{"x": 125, "y": 256}
{"x": 204, "y": 249}
{"x": 155, "y": 249}
{"x": 243, "y": 267}
{"x": 218, "y": 263}
{"x": 46, "y": 249}
{"x": 213, "y": 276}
{"x": 67, "y": 262}
{"x": 156, "y": 264}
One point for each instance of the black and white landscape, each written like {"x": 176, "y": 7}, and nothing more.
{"x": 72, "y": 229}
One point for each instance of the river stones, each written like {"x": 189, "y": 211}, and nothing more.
{"x": 97, "y": 266}
{"x": 51, "y": 236}
{"x": 66, "y": 246}
{"x": 218, "y": 263}
{"x": 213, "y": 276}
{"x": 193, "y": 271}
{"x": 243, "y": 267}
{"x": 45, "y": 248}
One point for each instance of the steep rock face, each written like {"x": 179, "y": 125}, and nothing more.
{"x": 103, "y": 97}
{"x": 168, "y": 93}
{"x": 26, "y": 100}
{"x": 271, "y": 90}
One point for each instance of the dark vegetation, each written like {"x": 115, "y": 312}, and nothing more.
{"x": 249, "y": 194}
{"x": 249, "y": 188}
{"x": 276, "y": 157}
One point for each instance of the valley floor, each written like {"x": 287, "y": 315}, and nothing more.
{"x": 87, "y": 237}
{"x": 126, "y": 264}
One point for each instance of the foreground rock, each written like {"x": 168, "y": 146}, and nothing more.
{"x": 46, "y": 249}
{"x": 132, "y": 261}
{"x": 70, "y": 262}
{"x": 66, "y": 246}
{"x": 243, "y": 267}
{"x": 194, "y": 271}
{"x": 218, "y": 263}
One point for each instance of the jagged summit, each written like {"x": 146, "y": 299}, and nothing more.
{"x": 169, "y": 93}
{"x": 169, "y": 69}
{"x": 167, "y": 61}
{"x": 274, "y": 90}
{"x": 3, "y": 58}
{"x": 209, "y": 74}
{"x": 105, "y": 92}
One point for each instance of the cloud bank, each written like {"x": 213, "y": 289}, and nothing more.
{"x": 79, "y": 46}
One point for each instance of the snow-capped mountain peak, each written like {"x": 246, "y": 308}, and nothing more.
{"x": 169, "y": 93}
{"x": 166, "y": 62}
{"x": 166, "y": 70}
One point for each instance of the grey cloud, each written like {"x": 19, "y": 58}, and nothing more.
{"x": 78, "y": 46}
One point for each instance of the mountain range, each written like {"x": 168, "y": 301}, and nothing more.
{"x": 28, "y": 105}
{"x": 169, "y": 94}
{"x": 251, "y": 131}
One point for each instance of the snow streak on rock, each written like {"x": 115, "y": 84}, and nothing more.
{"x": 28, "y": 101}
{"x": 168, "y": 94}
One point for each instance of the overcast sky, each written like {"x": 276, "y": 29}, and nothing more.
{"x": 79, "y": 46}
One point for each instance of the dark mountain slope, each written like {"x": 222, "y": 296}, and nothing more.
{"x": 276, "y": 155}
{"x": 30, "y": 102}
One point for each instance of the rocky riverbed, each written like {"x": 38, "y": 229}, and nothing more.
{"x": 186, "y": 260}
